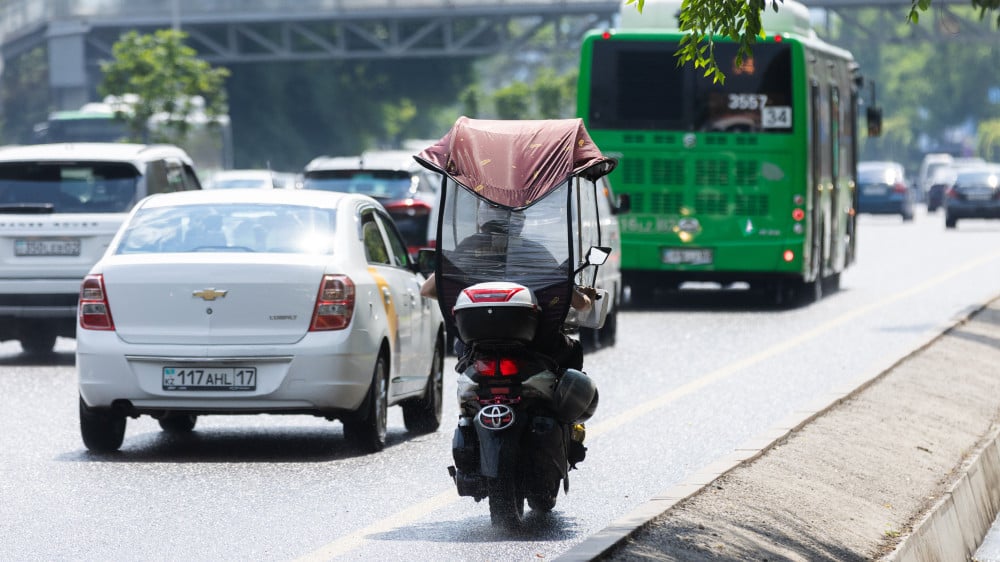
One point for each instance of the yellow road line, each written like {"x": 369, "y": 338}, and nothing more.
{"x": 352, "y": 541}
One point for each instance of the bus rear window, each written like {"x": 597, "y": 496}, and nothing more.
{"x": 638, "y": 85}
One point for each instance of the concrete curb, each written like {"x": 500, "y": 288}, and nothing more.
{"x": 985, "y": 464}
{"x": 954, "y": 527}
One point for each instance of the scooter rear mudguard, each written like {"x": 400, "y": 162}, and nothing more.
{"x": 499, "y": 430}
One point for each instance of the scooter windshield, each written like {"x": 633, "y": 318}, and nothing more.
{"x": 481, "y": 241}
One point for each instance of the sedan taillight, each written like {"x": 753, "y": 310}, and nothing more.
{"x": 334, "y": 304}
{"x": 95, "y": 314}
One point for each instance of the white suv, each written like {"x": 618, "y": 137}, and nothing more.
{"x": 60, "y": 206}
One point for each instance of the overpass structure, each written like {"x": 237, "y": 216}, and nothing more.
{"x": 78, "y": 34}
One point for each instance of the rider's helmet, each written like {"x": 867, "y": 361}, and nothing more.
{"x": 575, "y": 396}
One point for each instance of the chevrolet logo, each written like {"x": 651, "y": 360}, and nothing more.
{"x": 209, "y": 294}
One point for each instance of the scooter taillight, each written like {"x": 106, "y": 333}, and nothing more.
{"x": 496, "y": 366}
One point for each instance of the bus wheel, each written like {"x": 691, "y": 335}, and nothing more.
{"x": 811, "y": 291}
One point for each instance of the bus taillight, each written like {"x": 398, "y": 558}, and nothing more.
{"x": 798, "y": 214}
{"x": 606, "y": 35}
{"x": 788, "y": 255}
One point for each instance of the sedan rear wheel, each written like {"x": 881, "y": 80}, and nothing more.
{"x": 424, "y": 414}
{"x": 366, "y": 428}
{"x": 102, "y": 431}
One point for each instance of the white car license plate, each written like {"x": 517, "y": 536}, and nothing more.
{"x": 209, "y": 378}
{"x": 874, "y": 190}
{"x": 47, "y": 247}
{"x": 688, "y": 256}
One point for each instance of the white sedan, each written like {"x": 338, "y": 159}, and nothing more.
{"x": 257, "y": 301}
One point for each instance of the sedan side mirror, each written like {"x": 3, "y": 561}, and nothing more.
{"x": 426, "y": 260}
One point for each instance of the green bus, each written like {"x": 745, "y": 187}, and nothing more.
{"x": 748, "y": 181}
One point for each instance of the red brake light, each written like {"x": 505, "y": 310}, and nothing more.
{"x": 606, "y": 35}
{"x": 507, "y": 367}
{"x": 788, "y": 255}
{"x": 95, "y": 314}
{"x": 798, "y": 214}
{"x": 492, "y": 295}
{"x": 409, "y": 207}
{"x": 334, "y": 304}
{"x": 899, "y": 188}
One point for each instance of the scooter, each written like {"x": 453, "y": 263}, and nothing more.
{"x": 524, "y": 193}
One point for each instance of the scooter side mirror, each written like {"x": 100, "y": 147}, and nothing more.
{"x": 597, "y": 255}
{"x": 426, "y": 260}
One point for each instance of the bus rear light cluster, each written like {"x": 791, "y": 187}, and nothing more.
{"x": 788, "y": 256}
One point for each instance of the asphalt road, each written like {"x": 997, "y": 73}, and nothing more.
{"x": 689, "y": 380}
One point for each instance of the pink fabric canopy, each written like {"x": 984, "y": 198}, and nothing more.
{"x": 516, "y": 162}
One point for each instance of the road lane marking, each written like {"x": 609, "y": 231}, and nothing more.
{"x": 727, "y": 370}
{"x": 347, "y": 543}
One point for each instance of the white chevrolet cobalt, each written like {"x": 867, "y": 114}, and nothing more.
{"x": 249, "y": 301}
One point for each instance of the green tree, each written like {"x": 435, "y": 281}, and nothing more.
{"x": 989, "y": 139}
{"x": 513, "y": 101}
{"x": 167, "y": 78}
{"x": 740, "y": 21}
{"x": 24, "y": 94}
{"x": 554, "y": 94}
{"x": 470, "y": 98}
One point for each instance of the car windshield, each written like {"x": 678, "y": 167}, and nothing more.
{"x": 236, "y": 227}
{"x": 380, "y": 184}
{"x": 77, "y": 187}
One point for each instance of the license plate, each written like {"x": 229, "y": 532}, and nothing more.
{"x": 688, "y": 256}
{"x": 47, "y": 247}
{"x": 875, "y": 191}
{"x": 209, "y": 378}
{"x": 979, "y": 196}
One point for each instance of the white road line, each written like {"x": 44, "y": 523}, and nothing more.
{"x": 418, "y": 511}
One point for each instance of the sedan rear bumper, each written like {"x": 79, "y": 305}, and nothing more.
{"x": 308, "y": 377}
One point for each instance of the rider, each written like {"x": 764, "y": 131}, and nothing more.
{"x": 499, "y": 230}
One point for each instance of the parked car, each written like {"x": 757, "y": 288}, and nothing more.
{"x": 974, "y": 194}
{"x": 248, "y": 301}
{"x": 260, "y": 179}
{"x": 883, "y": 189}
{"x": 406, "y": 190}
{"x": 60, "y": 206}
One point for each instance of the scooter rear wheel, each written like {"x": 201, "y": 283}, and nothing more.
{"x": 506, "y": 504}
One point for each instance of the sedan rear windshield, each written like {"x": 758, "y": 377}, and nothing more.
{"x": 979, "y": 178}
{"x": 67, "y": 187}
{"x": 380, "y": 184}
{"x": 286, "y": 229}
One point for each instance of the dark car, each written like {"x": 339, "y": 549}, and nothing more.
{"x": 392, "y": 177}
{"x": 883, "y": 189}
{"x": 974, "y": 195}
{"x": 937, "y": 185}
